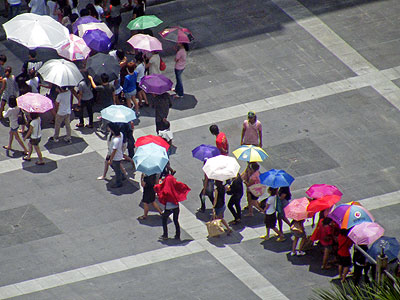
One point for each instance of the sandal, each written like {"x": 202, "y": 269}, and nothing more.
{"x": 79, "y": 125}
{"x": 39, "y": 163}
{"x": 6, "y": 147}
{"x": 142, "y": 218}
{"x": 26, "y": 158}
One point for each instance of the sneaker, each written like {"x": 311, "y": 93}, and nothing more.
{"x": 301, "y": 253}
{"x": 53, "y": 139}
{"x": 163, "y": 238}
{"x": 292, "y": 253}
{"x": 68, "y": 141}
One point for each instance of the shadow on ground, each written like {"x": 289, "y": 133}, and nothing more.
{"x": 30, "y": 166}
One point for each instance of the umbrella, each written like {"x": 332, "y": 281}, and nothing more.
{"x": 177, "y": 34}
{"x": 319, "y": 190}
{"x": 203, "y": 152}
{"x": 147, "y": 139}
{"x": 82, "y": 28}
{"x": 276, "y": 178}
{"x": 297, "y": 209}
{"x": 221, "y": 167}
{"x": 33, "y": 31}
{"x": 83, "y": 20}
{"x": 250, "y": 153}
{"x": 118, "y": 114}
{"x": 144, "y": 22}
{"x": 366, "y": 233}
{"x": 346, "y": 216}
{"x": 257, "y": 189}
{"x": 145, "y": 42}
{"x": 171, "y": 190}
{"x": 323, "y": 203}
{"x": 150, "y": 159}
{"x": 97, "y": 40}
{"x": 34, "y": 102}
{"x": 74, "y": 49}
{"x": 103, "y": 63}
{"x": 61, "y": 72}
{"x": 156, "y": 84}
{"x": 390, "y": 246}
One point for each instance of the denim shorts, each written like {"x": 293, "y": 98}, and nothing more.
{"x": 220, "y": 211}
{"x": 130, "y": 94}
{"x": 14, "y": 129}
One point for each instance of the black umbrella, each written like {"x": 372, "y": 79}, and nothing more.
{"x": 103, "y": 63}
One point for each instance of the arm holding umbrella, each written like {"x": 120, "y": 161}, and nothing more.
{"x": 92, "y": 82}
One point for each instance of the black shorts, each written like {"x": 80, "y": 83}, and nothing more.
{"x": 138, "y": 88}
{"x": 344, "y": 261}
{"x": 270, "y": 220}
{"x": 34, "y": 142}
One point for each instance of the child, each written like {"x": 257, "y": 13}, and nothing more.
{"x": 34, "y": 134}
{"x": 270, "y": 216}
{"x": 344, "y": 256}
{"x": 298, "y": 231}
{"x": 129, "y": 87}
{"x": 326, "y": 240}
{"x": 12, "y": 113}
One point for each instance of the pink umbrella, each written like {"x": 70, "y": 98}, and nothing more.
{"x": 75, "y": 49}
{"x": 297, "y": 209}
{"x": 177, "y": 34}
{"x": 319, "y": 190}
{"x": 366, "y": 233}
{"x": 145, "y": 42}
{"x": 34, "y": 102}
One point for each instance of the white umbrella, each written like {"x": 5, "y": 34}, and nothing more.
{"x": 61, "y": 72}
{"x": 33, "y": 31}
{"x": 82, "y": 28}
{"x": 221, "y": 167}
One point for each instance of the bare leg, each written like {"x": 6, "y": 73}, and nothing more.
{"x": 344, "y": 274}
{"x": 302, "y": 241}
{"x": 144, "y": 97}
{"x": 29, "y": 151}
{"x": 157, "y": 207}
{"x": 226, "y": 225}
{"x": 250, "y": 214}
{"x": 104, "y": 172}
{"x": 136, "y": 103}
{"x": 39, "y": 153}
{"x": 145, "y": 209}
{"x": 294, "y": 244}
{"x": 10, "y": 140}
{"x": 256, "y": 204}
{"x": 325, "y": 258}
{"x": 278, "y": 232}
{"x": 18, "y": 138}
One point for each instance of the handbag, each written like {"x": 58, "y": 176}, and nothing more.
{"x": 163, "y": 66}
{"x": 215, "y": 228}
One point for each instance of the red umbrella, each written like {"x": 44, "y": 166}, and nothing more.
{"x": 171, "y": 190}
{"x": 147, "y": 139}
{"x": 322, "y": 203}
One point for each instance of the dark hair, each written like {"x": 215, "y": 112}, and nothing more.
{"x": 12, "y": 101}
{"x": 104, "y": 78}
{"x": 83, "y": 12}
{"x": 139, "y": 57}
{"x": 34, "y": 115}
{"x": 254, "y": 166}
{"x": 120, "y": 54}
{"x": 97, "y": 2}
{"x": 67, "y": 11}
{"x": 218, "y": 183}
{"x": 115, "y": 128}
{"x": 8, "y": 69}
{"x": 32, "y": 53}
{"x": 285, "y": 190}
{"x": 214, "y": 129}
{"x": 92, "y": 10}
{"x": 3, "y": 58}
{"x": 272, "y": 191}
{"x": 131, "y": 67}
{"x": 186, "y": 46}
{"x": 327, "y": 221}
{"x": 75, "y": 3}
{"x": 73, "y": 17}
{"x": 115, "y": 2}
{"x": 85, "y": 75}
{"x": 344, "y": 231}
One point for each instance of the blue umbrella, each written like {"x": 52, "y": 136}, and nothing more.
{"x": 205, "y": 151}
{"x": 97, "y": 40}
{"x": 276, "y": 178}
{"x": 390, "y": 246}
{"x": 150, "y": 159}
{"x": 118, "y": 114}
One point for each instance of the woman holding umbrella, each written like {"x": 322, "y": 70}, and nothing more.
{"x": 149, "y": 195}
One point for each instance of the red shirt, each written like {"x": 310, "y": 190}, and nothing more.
{"x": 222, "y": 143}
{"x": 326, "y": 235}
{"x": 344, "y": 245}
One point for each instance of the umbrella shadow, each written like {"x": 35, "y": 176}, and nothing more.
{"x": 174, "y": 242}
{"x": 62, "y": 148}
{"x": 128, "y": 187}
{"x": 204, "y": 216}
{"x": 224, "y": 239}
{"x": 254, "y": 222}
{"x": 184, "y": 103}
{"x": 278, "y": 247}
{"x": 31, "y": 166}
{"x": 14, "y": 153}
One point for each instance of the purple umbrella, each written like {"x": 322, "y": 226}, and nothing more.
{"x": 97, "y": 40}
{"x": 203, "y": 152}
{"x": 156, "y": 84}
{"x": 83, "y": 20}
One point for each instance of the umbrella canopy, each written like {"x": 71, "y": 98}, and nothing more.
{"x": 323, "y": 203}
{"x": 171, "y": 190}
{"x": 82, "y": 28}
{"x": 276, "y": 178}
{"x": 297, "y": 209}
{"x": 203, "y": 152}
{"x": 144, "y": 22}
{"x": 156, "y": 84}
{"x": 118, "y": 114}
{"x": 147, "y": 139}
{"x": 319, "y": 190}
{"x": 33, "y": 31}
{"x": 145, "y": 42}
{"x": 250, "y": 153}
{"x": 257, "y": 189}
{"x": 366, "y": 233}
{"x": 390, "y": 246}
{"x": 346, "y": 216}
{"x": 97, "y": 40}
{"x": 150, "y": 159}
{"x": 61, "y": 72}
{"x": 177, "y": 35}
{"x": 74, "y": 49}
{"x": 221, "y": 167}
{"x": 103, "y": 63}
{"x": 83, "y": 20}
{"x": 34, "y": 102}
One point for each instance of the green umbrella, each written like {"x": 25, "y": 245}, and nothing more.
{"x": 144, "y": 22}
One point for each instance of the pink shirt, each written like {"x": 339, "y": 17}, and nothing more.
{"x": 251, "y": 132}
{"x": 180, "y": 59}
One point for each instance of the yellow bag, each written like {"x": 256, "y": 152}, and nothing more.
{"x": 214, "y": 228}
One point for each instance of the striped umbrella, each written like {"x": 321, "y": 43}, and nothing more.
{"x": 250, "y": 153}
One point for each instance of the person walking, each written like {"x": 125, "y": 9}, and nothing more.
{"x": 129, "y": 87}
{"x": 343, "y": 253}
{"x": 116, "y": 155}
{"x": 34, "y": 134}
{"x": 270, "y": 216}
{"x": 85, "y": 100}
{"x": 220, "y": 141}
{"x": 180, "y": 64}
{"x": 149, "y": 195}
{"x": 298, "y": 231}
{"x": 252, "y": 131}
{"x": 14, "y": 8}
{"x": 219, "y": 204}
{"x": 207, "y": 190}
{"x": 114, "y": 19}
{"x": 162, "y": 104}
{"x": 236, "y": 190}
{"x": 140, "y": 70}
{"x": 251, "y": 176}
{"x": 282, "y": 201}
{"x": 9, "y": 88}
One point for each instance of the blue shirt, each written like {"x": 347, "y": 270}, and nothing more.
{"x": 130, "y": 83}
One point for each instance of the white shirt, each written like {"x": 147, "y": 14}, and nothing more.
{"x": 271, "y": 200}
{"x": 64, "y": 99}
{"x": 34, "y": 84}
{"x": 38, "y": 7}
{"x": 37, "y": 130}
{"x": 99, "y": 10}
{"x": 154, "y": 64}
{"x": 117, "y": 143}
{"x": 51, "y": 5}
{"x": 140, "y": 72}
{"x": 12, "y": 115}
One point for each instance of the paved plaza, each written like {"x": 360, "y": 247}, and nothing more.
{"x": 324, "y": 79}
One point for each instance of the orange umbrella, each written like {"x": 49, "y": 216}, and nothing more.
{"x": 322, "y": 203}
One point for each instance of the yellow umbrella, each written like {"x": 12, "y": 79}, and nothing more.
{"x": 250, "y": 153}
